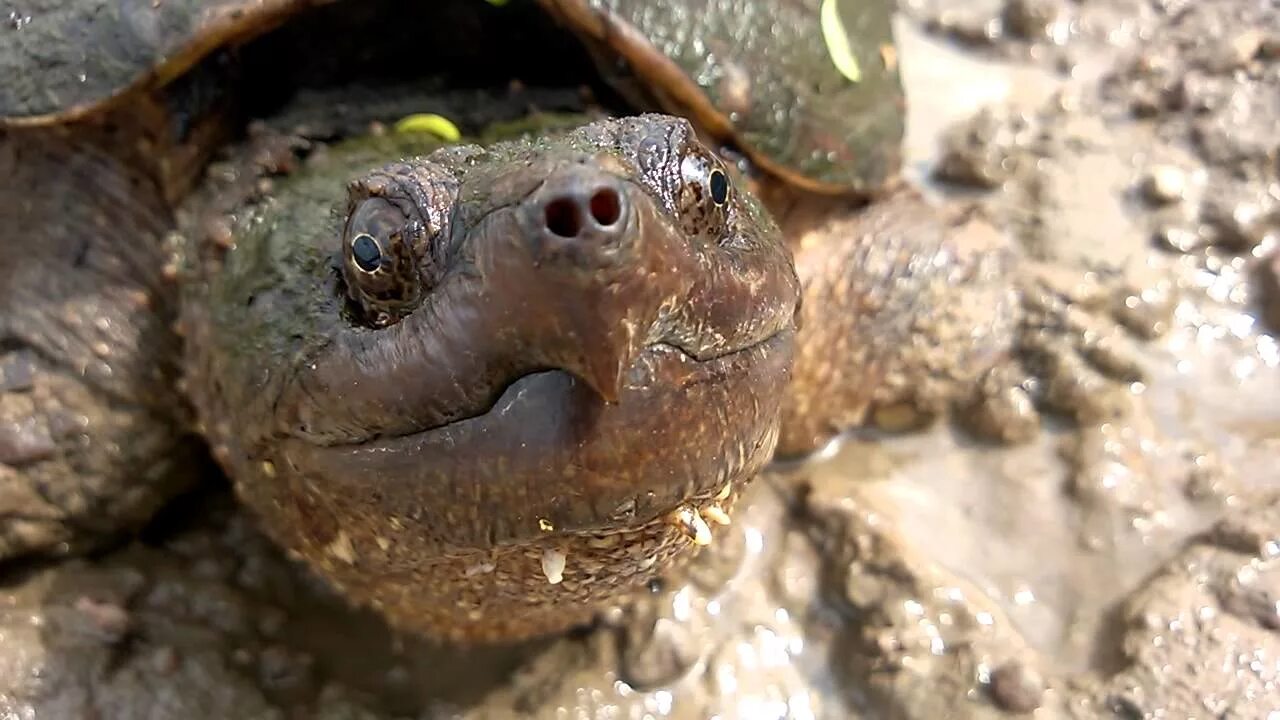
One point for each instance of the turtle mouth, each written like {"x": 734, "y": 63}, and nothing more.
{"x": 552, "y": 457}
{"x": 583, "y": 367}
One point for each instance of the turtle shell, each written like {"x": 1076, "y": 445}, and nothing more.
{"x": 808, "y": 89}
{"x": 65, "y": 59}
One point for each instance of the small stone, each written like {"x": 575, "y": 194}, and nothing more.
{"x": 1269, "y": 286}
{"x": 1030, "y": 19}
{"x": 284, "y": 670}
{"x": 218, "y": 232}
{"x": 17, "y": 371}
{"x": 981, "y": 152}
{"x": 716, "y": 514}
{"x": 899, "y": 418}
{"x": 342, "y": 548}
{"x": 1239, "y": 226}
{"x": 1017, "y": 688}
{"x": 553, "y": 564}
{"x": 1237, "y": 50}
{"x": 1164, "y": 184}
{"x": 25, "y": 440}
{"x": 661, "y": 653}
{"x": 318, "y": 157}
{"x": 109, "y": 620}
{"x": 1270, "y": 47}
{"x": 165, "y": 659}
{"x": 1004, "y": 414}
{"x": 969, "y": 23}
{"x": 692, "y": 524}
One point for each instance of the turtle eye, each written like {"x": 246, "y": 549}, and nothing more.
{"x": 366, "y": 253}
{"x": 380, "y": 262}
{"x": 719, "y": 185}
{"x": 704, "y": 195}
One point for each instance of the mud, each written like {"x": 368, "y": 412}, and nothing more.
{"x": 1269, "y": 283}
{"x": 1118, "y": 562}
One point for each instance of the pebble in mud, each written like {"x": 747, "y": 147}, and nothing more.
{"x": 981, "y": 152}
{"x": 1238, "y": 225}
{"x": 1269, "y": 281}
{"x": 1199, "y": 639}
{"x": 1030, "y": 19}
{"x": 1164, "y": 184}
{"x": 106, "y": 620}
{"x": 1017, "y": 687}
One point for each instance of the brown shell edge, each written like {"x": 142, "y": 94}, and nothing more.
{"x": 222, "y": 26}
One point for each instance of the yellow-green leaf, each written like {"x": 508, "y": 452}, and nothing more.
{"x": 437, "y": 125}
{"x": 833, "y": 33}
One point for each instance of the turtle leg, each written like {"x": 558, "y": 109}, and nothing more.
{"x": 911, "y": 311}
{"x": 904, "y": 310}
{"x": 92, "y": 430}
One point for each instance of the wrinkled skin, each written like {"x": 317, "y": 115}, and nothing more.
{"x": 600, "y": 344}
{"x": 93, "y": 432}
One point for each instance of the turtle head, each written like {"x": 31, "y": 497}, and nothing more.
{"x": 481, "y": 356}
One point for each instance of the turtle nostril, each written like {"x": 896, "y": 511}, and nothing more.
{"x": 563, "y": 218}
{"x": 606, "y": 206}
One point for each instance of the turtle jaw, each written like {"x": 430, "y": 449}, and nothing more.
{"x": 552, "y": 458}
{"x": 526, "y": 519}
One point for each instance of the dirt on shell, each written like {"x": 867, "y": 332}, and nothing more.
{"x": 1119, "y": 568}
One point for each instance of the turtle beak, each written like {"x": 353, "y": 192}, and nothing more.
{"x": 606, "y": 361}
{"x": 584, "y": 235}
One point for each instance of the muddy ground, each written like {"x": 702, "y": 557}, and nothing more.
{"x": 1125, "y": 568}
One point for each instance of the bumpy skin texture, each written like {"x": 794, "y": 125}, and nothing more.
{"x": 91, "y": 426}
{"x": 759, "y": 74}
{"x": 572, "y": 389}
{"x": 904, "y": 307}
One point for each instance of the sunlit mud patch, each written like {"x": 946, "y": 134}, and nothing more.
{"x": 732, "y": 638}
{"x": 1218, "y": 381}
{"x": 1020, "y": 577}
{"x": 1052, "y": 544}
{"x": 946, "y": 85}
{"x": 976, "y": 577}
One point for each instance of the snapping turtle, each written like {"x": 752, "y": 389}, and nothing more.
{"x": 482, "y": 389}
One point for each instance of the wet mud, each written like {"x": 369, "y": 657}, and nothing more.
{"x": 1121, "y": 561}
